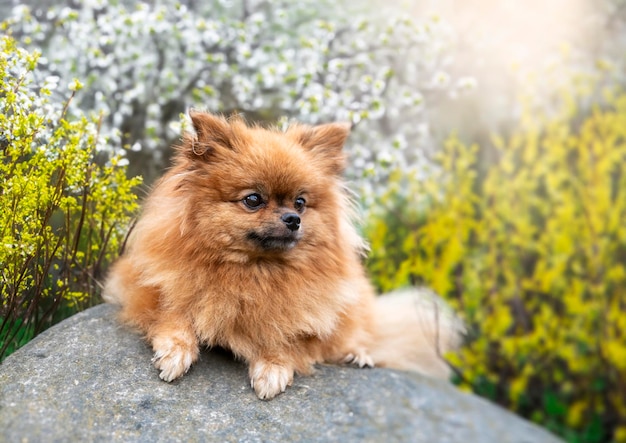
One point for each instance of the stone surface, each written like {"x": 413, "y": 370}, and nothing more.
{"x": 90, "y": 379}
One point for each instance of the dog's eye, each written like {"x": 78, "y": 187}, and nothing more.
{"x": 253, "y": 201}
{"x": 299, "y": 204}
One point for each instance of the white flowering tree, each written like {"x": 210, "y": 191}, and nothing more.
{"x": 313, "y": 60}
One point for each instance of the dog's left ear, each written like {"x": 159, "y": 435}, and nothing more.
{"x": 326, "y": 143}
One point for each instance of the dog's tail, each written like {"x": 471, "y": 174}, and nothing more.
{"x": 413, "y": 329}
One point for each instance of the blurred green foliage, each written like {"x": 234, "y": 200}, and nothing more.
{"x": 63, "y": 215}
{"x": 532, "y": 252}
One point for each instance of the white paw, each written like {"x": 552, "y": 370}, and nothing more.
{"x": 359, "y": 358}
{"x": 269, "y": 380}
{"x": 173, "y": 360}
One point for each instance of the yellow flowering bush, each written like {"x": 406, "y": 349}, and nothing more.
{"x": 64, "y": 203}
{"x": 531, "y": 249}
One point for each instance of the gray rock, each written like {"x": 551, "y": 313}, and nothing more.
{"x": 90, "y": 379}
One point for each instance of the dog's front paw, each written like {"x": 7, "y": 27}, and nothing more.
{"x": 268, "y": 379}
{"x": 360, "y": 358}
{"x": 173, "y": 357}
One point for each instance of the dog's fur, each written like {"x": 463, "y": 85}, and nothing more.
{"x": 281, "y": 284}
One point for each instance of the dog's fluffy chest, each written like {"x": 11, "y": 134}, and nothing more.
{"x": 270, "y": 307}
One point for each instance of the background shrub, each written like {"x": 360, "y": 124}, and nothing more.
{"x": 63, "y": 214}
{"x": 533, "y": 253}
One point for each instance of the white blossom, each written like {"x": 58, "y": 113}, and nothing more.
{"x": 314, "y": 61}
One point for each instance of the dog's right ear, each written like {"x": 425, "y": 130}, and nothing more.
{"x": 212, "y": 132}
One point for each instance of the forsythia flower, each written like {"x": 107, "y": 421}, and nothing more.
{"x": 532, "y": 255}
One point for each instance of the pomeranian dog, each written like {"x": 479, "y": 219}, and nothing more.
{"x": 247, "y": 243}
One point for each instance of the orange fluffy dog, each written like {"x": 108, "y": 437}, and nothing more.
{"x": 247, "y": 243}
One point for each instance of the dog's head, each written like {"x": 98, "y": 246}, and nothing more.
{"x": 256, "y": 193}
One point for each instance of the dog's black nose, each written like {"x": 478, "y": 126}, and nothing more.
{"x": 291, "y": 220}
